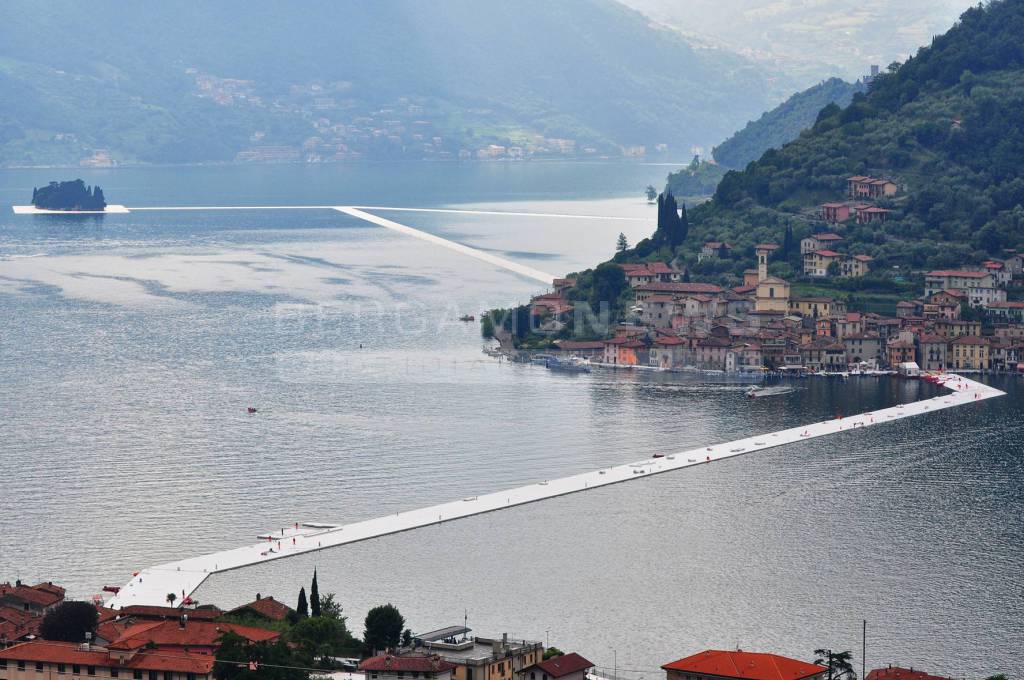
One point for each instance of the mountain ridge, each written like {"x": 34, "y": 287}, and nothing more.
{"x": 178, "y": 82}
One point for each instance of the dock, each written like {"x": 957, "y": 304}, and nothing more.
{"x": 151, "y": 585}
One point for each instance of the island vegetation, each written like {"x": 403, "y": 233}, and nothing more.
{"x": 70, "y": 195}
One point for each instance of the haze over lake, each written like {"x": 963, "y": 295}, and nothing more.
{"x": 131, "y": 345}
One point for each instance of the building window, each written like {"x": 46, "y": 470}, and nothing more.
{"x": 168, "y": 675}
{"x": 21, "y": 665}
{"x": 136, "y": 675}
{"x": 90, "y": 670}
{"x": 61, "y": 668}
{"x": 190, "y": 676}
{"x": 153, "y": 675}
{"x": 113, "y": 672}
{"x": 3, "y": 663}
{"x": 75, "y": 669}
{"x": 39, "y": 666}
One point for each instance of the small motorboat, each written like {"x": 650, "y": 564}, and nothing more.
{"x": 251, "y": 409}
{"x": 467, "y": 317}
{"x": 755, "y": 392}
{"x": 572, "y": 365}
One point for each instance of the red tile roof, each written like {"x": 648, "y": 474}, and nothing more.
{"x": 42, "y": 595}
{"x": 71, "y": 653}
{"x": 667, "y": 340}
{"x": 562, "y": 665}
{"x": 414, "y": 663}
{"x": 267, "y": 607}
{"x": 766, "y": 246}
{"x": 826, "y": 253}
{"x": 680, "y": 287}
{"x": 193, "y": 634}
{"x": 970, "y": 340}
{"x": 896, "y": 673}
{"x": 570, "y": 345}
{"x": 745, "y": 665}
{"x": 827, "y": 236}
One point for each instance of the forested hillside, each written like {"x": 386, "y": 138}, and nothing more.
{"x": 947, "y": 126}
{"x": 180, "y": 81}
{"x": 783, "y": 123}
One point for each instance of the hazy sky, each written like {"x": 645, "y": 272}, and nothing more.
{"x": 811, "y": 38}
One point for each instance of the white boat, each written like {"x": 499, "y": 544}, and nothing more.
{"x": 775, "y": 390}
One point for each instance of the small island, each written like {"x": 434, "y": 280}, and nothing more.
{"x": 71, "y": 195}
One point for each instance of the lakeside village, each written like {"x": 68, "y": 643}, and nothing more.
{"x": 43, "y": 636}
{"x": 961, "y": 320}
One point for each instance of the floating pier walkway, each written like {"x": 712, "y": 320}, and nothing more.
{"x": 151, "y": 586}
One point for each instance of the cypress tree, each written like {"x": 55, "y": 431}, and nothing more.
{"x": 302, "y": 609}
{"x": 314, "y": 597}
{"x": 787, "y": 242}
{"x": 683, "y": 227}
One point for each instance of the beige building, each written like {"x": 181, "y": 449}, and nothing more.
{"x": 772, "y": 295}
{"x": 815, "y": 306}
{"x": 969, "y": 352}
{"x": 855, "y": 265}
{"x": 817, "y": 262}
{"x": 477, "y": 658}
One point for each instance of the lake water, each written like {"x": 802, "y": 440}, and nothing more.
{"x": 131, "y": 345}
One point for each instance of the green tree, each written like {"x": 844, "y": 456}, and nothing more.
{"x": 552, "y": 652}
{"x": 239, "y": 659}
{"x": 622, "y": 245}
{"x": 651, "y": 193}
{"x": 302, "y": 608}
{"x": 69, "y": 622}
{"x": 787, "y": 242}
{"x": 839, "y": 664}
{"x": 329, "y": 608}
{"x": 314, "y": 597}
{"x": 320, "y": 636}
{"x": 609, "y": 282}
{"x": 171, "y": 597}
{"x": 384, "y": 626}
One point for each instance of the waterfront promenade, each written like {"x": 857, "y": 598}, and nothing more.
{"x": 183, "y": 577}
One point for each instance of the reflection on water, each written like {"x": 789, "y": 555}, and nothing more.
{"x": 130, "y": 349}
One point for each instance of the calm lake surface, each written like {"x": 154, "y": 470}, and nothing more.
{"x": 130, "y": 346}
